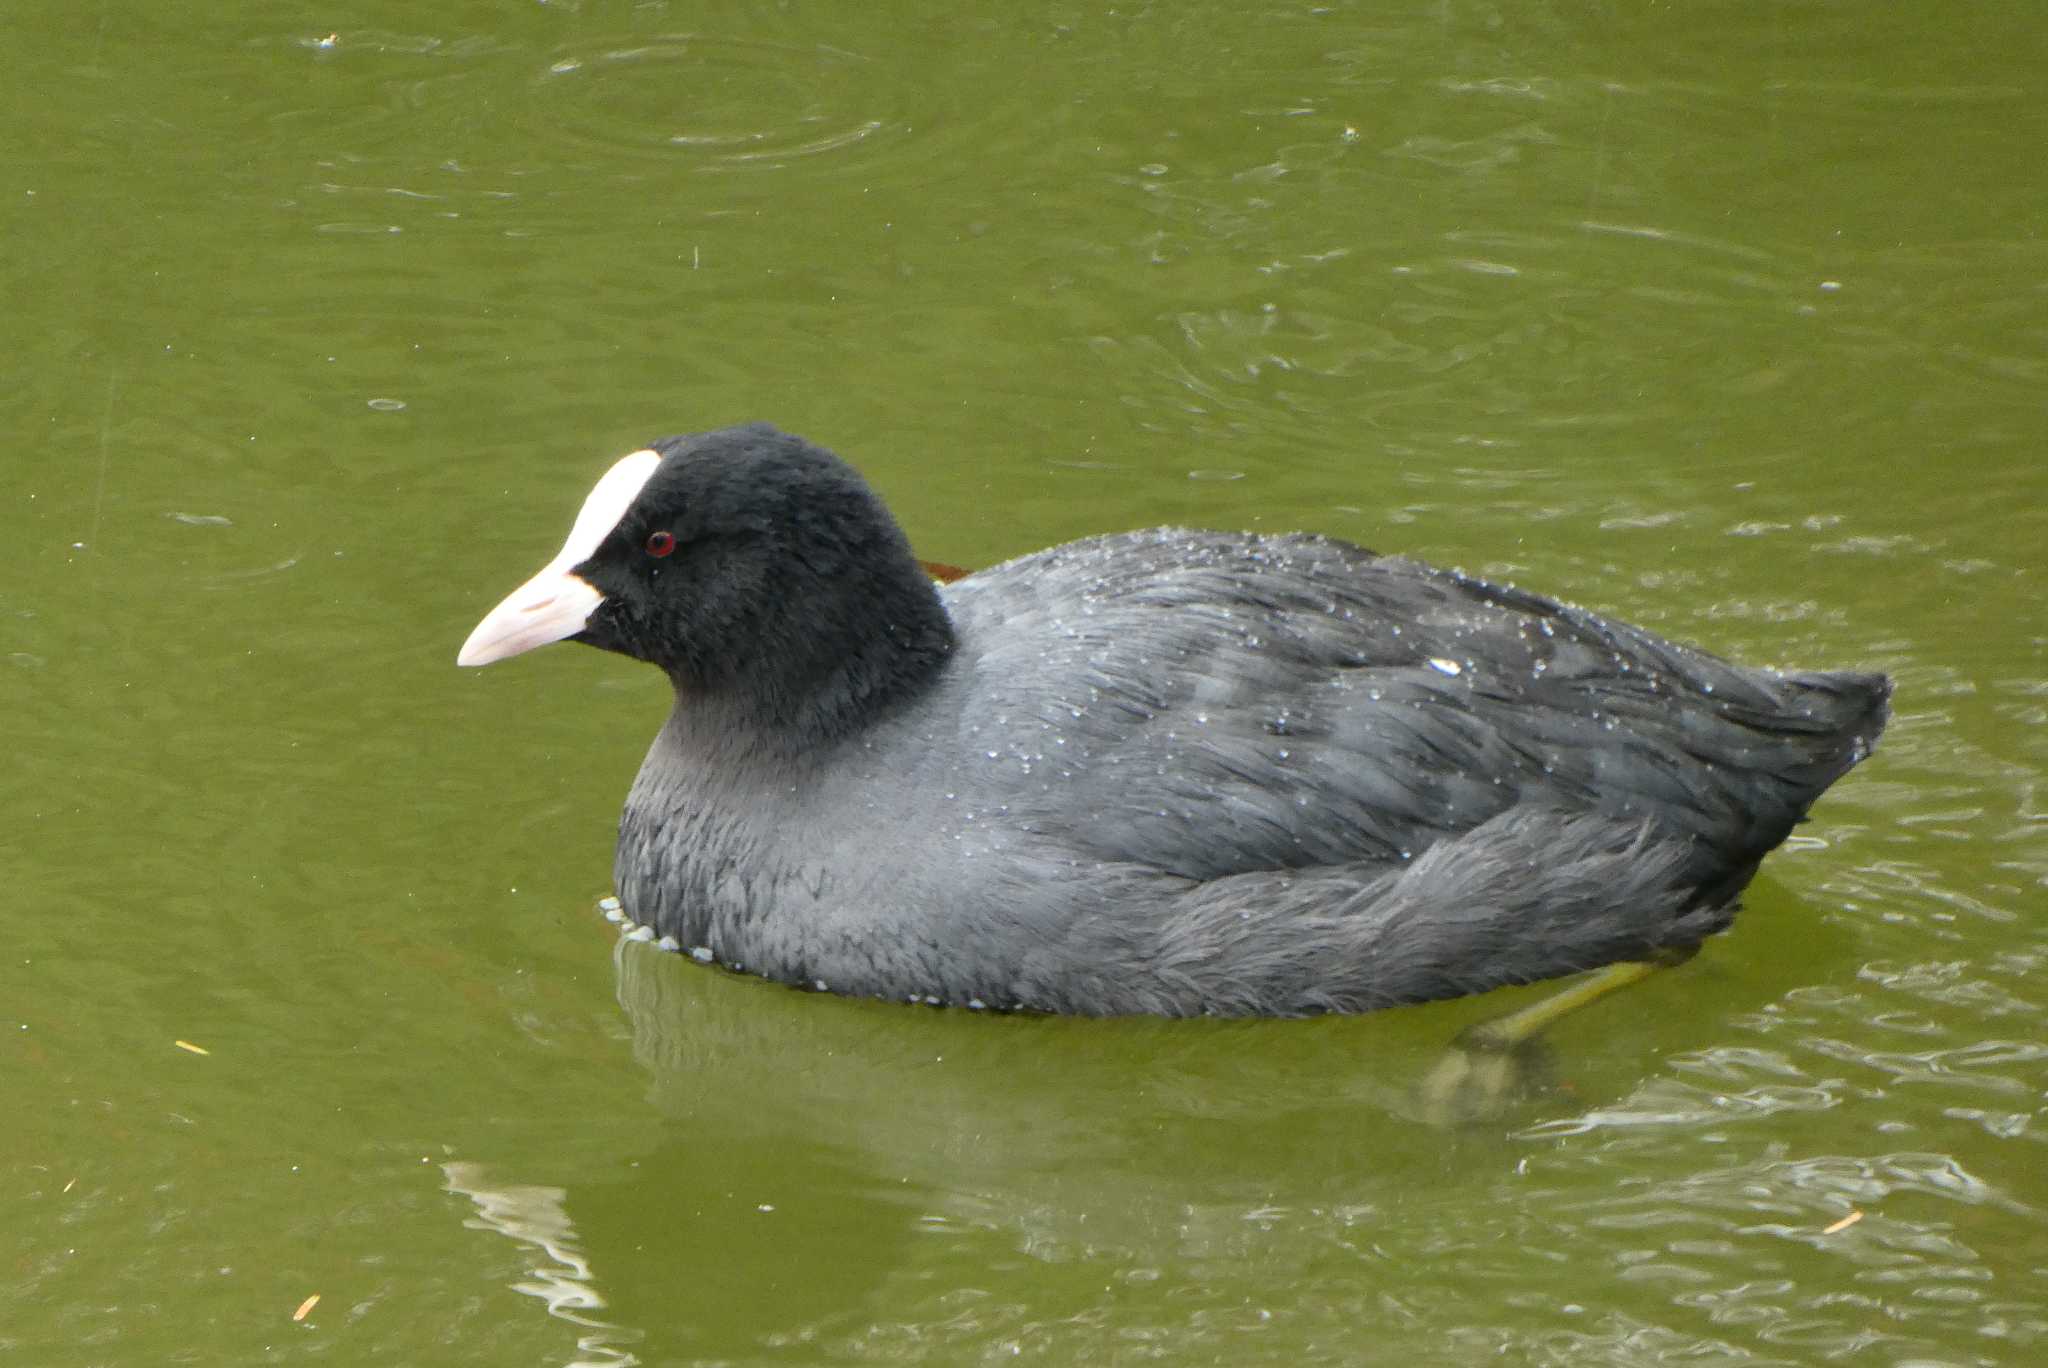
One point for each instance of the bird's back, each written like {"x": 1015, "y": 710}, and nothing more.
{"x": 1211, "y": 704}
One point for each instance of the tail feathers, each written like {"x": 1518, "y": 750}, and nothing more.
{"x": 1822, "y": 726}
{"x": 1532, "y": 894}
{"x": 1849, "y": 709}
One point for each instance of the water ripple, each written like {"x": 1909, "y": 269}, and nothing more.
{"x": 723, "y": 104}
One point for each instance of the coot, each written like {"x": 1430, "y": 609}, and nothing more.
{"x": 1175, "y": 772}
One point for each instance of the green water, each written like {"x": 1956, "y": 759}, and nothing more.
{"x": 1728, "y": 318}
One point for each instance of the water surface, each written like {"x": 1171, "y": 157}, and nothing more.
{"x": 1726, "y": 319}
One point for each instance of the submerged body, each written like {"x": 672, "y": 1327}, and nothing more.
{"x": 1162, "y": 772}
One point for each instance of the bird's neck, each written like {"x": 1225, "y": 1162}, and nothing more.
{"x": 860, "y": 650}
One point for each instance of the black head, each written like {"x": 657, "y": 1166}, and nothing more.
{"x": 750, "y": 565}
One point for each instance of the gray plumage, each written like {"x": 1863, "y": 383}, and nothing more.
{"x": 1169, "y": 772}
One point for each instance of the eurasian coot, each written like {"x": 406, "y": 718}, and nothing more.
{"x": 1171, "y": 771}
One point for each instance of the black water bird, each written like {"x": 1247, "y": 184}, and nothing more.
{"x": 1173, "y": 772}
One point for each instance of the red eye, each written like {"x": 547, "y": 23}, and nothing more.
{"x": 661, "y": 543}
